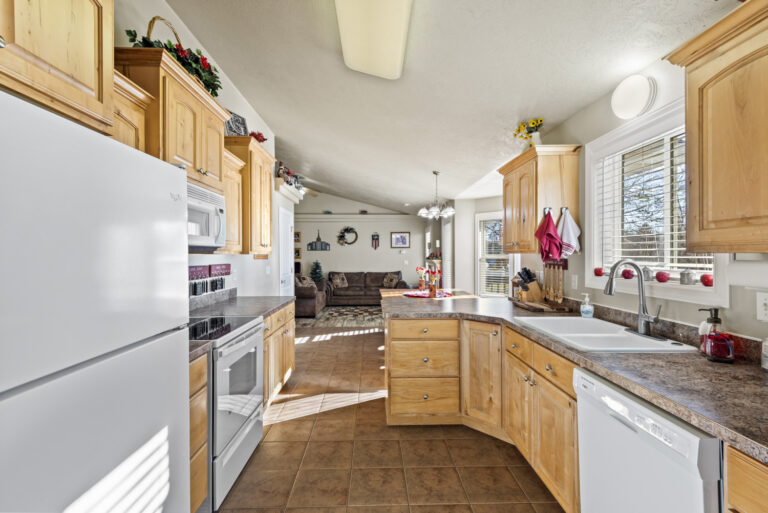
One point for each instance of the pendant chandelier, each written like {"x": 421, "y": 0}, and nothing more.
{"x": 436, "y": 209}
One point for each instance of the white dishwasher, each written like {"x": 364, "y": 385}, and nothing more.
{"x": 636, "y": 458}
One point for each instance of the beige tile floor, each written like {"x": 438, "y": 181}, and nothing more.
{"x": 328, "y": 448}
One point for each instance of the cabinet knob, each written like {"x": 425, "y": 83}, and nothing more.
{"x": 548, "y": 367}
{"x": 494, "y": 333}
{"x": 532, "y": 383}
{"x": 200, "y": 170}
{"x": 513, "y": 346}
{"x": 425, "y": 330}
{"x": 526, "y": 379}
{"x": 426, "y": 396}
{"x": 2, "y": 42}
{"x": 426, "y": 359}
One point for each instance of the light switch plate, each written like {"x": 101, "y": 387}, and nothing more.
{"x": 268, "y": 269}
{"x": 574, "y": 281}
{"x": 762, "y": 306}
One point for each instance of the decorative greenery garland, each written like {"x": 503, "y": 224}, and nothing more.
{"x": 341, "y": 238}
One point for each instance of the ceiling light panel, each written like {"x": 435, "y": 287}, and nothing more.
{"x": 374, "y": 35}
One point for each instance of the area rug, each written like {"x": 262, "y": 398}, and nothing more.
{"x": 344, "y": 316}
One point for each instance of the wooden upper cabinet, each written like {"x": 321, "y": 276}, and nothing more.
{"x": 257, "y": 194}
{"x": 546, "y": 176}
{"x": 233, "y": 196}
{"x": 59, "y": 54}
{"x": 517, "y": 403}
{"x": 554, "y": 447}
{"x": 726, "y": 129}
{"x": 185, "y": 125}
{"x": 481, "y": 372}
{"x": 130, "y": 105}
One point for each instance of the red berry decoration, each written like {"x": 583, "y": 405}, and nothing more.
{"x": 707, "y": 280}
{"x": 598, "y": 271}
{"x": 628, "y": 274}
{"x": 662, "y": 276}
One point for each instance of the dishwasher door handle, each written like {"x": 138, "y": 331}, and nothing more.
{"x": 623, "y": 420}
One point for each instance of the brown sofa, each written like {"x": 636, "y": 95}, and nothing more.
{"x": 309, "y": 300}
{"x": 363, "y": 288}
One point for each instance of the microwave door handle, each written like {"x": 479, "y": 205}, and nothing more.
{"x": 220, "y": 222}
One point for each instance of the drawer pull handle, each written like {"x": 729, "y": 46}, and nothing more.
{"x": 548, "y": 367}
{"x": 426, "y": 359}
{"x": 494, "y": 333}
{"x": 425, "y": 330}
{"x": 513, "y": 346}
{"x": 2, "y": 42}
{"x": 426, "y": 396}
{"x": 532, "y": 383}
{"x": 526, "y": 379}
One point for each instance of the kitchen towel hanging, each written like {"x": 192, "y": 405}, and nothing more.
{"x": 550, "y": 244}
{"x": 569, "y": 232}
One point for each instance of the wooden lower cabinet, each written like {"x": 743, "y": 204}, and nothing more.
{"x": 481, "y": 372}
{"x": 518, "y": 403}
{"x": 198, "y": 477}
{"x": 746, "y": 483}
{"x": 279, "y": 351}
{"x": 554, "y": 453}
{"x": 425, "y": 395}
{"x": 198, "y": 431}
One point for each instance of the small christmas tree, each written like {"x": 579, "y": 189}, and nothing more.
{"x": 317, "y": 272}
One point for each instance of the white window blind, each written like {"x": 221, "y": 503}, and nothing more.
{"x": 640, "y": 206}
{"x": 493, "y": 271}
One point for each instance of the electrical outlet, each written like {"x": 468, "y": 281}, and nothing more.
{"x": 574, "y": 281}
{"x": 762, "y": 306}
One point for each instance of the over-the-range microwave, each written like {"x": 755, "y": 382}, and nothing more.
{"x": 206, "y": 219}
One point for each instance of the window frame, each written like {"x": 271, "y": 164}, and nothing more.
{"x": 485, "y": 216}
{"x": 653, "y": 125}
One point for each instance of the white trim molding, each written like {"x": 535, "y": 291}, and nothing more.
{"x": 632, "y": 133}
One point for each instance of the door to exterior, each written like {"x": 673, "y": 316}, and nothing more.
{"x": 285, "y": 227}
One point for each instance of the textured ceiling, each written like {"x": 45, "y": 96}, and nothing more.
{"x": 473, "y": 69}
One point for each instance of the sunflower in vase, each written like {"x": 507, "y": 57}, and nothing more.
{"x": 526, "y": 131}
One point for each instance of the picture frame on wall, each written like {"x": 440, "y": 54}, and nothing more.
{"x": 297, "y": 253}
{"x": 296, "y": 237}
{"x": 400, "y": 240}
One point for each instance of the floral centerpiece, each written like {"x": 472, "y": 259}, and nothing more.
{"x": 194, "y": 62}
{"x": 529, "y": 131}
{"x": 433, "y": 277}
{"x": 422, "y": 272}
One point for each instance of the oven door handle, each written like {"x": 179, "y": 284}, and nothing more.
{"x": 248, "y": 341}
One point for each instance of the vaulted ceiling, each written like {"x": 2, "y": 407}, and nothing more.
{"x": 473, "y": 69}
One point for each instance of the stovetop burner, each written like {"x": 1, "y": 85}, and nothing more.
{"x": 213, "y": 328}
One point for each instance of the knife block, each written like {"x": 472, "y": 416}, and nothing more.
{"x": 533, "y": 294}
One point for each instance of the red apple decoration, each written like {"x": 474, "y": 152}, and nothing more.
{"x": 662, "y": 276}
{"x": 628, "y": 274}
{"x": 707, "y": 280}
{"x": 598, "y": 271}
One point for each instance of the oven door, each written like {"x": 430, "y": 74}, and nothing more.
{"x": 238, "y": 390}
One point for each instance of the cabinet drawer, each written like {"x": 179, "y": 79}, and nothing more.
{"x": 554, "y": 367}
{"x": 746, "y": 483}
{"x": 425, "y": 329}
{"x": 424, "y": 358}
{"x": 198, "y": 477}
{"x": 198, "y": 374}
{"x": 198, "y": 419}
{"x": 518, "y": 345}
{"x": 424, "y": 395}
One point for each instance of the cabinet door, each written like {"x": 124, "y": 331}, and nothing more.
{"x": 481, "y": 372}
{"x": 290, "y": 348}
{"x": 510, "y": 220}
{"x": 518, "y": 404}
{"x": 183, "y": 128}
{"x": 255, "y": 210}
{"x": 266, "y": 208}
{"x": 267, "y": 370}
{"x": 726, "y": 161}
{"x": 233, "y": 196}
{"x": 212, "y": 160}
{"x": 554, "y": 442}
{"x": 276, "y": 362}
{"x": 526, "y": 215}
{"x": 129, "y": 125}
{"x": 59, "y": 53}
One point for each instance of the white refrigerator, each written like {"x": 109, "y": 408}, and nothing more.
{"x": 94, "y": 403}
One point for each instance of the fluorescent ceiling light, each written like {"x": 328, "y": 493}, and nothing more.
{"x": 373, "y": 35}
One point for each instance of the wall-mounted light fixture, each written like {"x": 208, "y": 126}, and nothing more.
{"x": 633, "y": 96}
{"x": 374, "y": 34}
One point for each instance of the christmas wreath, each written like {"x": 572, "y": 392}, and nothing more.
{"x": 341, "y": 238}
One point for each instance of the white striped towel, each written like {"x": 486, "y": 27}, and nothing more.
{"x": 569, "y": 233}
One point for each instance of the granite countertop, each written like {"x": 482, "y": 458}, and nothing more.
{"x": 729, "y": 401}
{"x": 239, "y": 306}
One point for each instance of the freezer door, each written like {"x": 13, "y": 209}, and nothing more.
{"x": 94, "y": 244}
{"x": 102, "y": 436}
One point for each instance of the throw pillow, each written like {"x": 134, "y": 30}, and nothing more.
{"x": 390, "y": 281}
{"x": 340, "y": 281}
{"x": 304, "y": 281}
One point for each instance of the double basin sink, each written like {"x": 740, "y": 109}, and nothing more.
{"x": 594, "y": 335}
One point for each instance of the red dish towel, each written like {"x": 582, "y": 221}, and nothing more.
{"x": 550, "y": 243}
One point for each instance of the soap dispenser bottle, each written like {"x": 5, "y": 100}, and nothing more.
{"x": 587, "y": 310}
{"x": 713, "y": 341}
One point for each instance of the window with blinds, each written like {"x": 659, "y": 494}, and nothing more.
{"x": 493, "y": 271}
{"x": 640, "y": 207}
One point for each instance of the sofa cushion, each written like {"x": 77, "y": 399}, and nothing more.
{"x": 374, "y": 280}
{"x": 355, "y": 279}
{"x": 339, "y": 280}
{"x": 306, "y": 292}
{"x": 349, "y": 291}
{"x": 372, "y": 293}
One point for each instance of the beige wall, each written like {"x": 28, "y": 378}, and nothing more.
{"x": 745, "y": 277}
{"x": 359, "y": 256}
{"x": 251, "y": 277}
